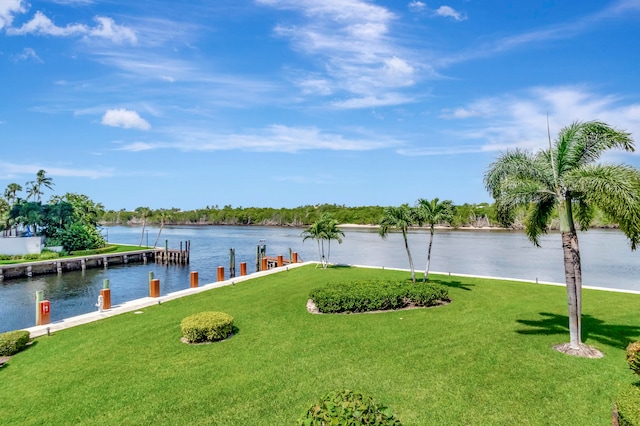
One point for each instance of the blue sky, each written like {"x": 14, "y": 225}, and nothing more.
{"x": 281, "y": 103}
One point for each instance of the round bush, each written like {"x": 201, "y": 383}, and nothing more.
{"x": 207, "y": 327}
{"x": 628, "y": 404}
{"x": 348, "y": 408}
{"x": 13, "y": 342}
{"x": 633, "y": 357}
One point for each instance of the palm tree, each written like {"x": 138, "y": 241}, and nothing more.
{"x": 316, "y": 231}
{"x": 164, "y": 215}
{"x": 566, "y": 177}
{"x": 143, "y": 213}
{"x": 11, "y": 193}
{"x": 331, "y": 231}
{"x": 399, "y": 218}
{"x": 432, "y": 213}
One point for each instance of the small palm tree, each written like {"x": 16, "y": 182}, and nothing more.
{"x": 565, "y": 177}
{"x": 316, "y": 231}
{"x": 143, "y": 213}
{"x": 164, "y": 215}
{"x": 399, "y": 218}
{"x": 332, "y": 232}
{"x": 11, "y": 193}
{"x": 432, "y": 213}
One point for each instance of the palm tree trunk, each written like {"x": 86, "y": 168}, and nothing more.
{"x": 158, "y": 237}
{"x": 426, "y": 270}
{"x": 572, "y": 272}
{"x": 144, "y": 222}
{"x": 406, "y": 246}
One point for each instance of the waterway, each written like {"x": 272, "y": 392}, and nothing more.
{"x": 606, "y": 258}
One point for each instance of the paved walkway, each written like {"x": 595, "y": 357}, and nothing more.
{"x": 137, "y": 304}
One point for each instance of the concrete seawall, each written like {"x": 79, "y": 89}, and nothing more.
{"x": 53, "y": 266}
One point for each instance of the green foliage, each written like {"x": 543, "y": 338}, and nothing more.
{"x": 13, "y": 342}
{"x": 628, "y": 404}
{"x": 633, "y": 357}
{"x": 348, "y": 408}
{"x": 207, "y": 327}
{"x": 363, "y": 296}
{"x": 101, "y": 250}
{"x": 80, "y": 237}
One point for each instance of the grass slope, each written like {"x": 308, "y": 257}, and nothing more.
{"x": 484, "y": 359}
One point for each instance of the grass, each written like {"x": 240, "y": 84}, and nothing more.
{"x": 484, "y": 359}
{"x": 113, "y": 248}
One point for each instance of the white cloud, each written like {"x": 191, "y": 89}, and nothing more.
{"x": 450, "y": 12}
{"x": 274, "y": 138}
{"x": 520, "y": 120}
{"x": 28, "y": 53}
{"x": 387, "y": 99}
{"x": 125, "y": 119}
{"x": 8, "y": 8}
{"x": 12, "y": 170}
{"x": 353, "y": 42}
{"x": 417, "y": 6}
{"x": 106, "y": 28}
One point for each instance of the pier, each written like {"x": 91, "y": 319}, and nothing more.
{"x": 58, "y": 266}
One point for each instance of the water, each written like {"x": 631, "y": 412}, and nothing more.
{"x": 606, "y": 258}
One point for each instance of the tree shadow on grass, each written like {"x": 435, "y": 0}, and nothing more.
{"x": 452, "y": 284}
{"x": 4, "y": 360}
{"x": 618, "y": 336}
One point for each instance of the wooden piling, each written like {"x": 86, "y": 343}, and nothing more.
{"x": 154, "y": 288}
{"x": 220, "y": 273}
{"x": 194, "y": 279}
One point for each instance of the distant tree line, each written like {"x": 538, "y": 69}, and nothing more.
{"x": 465, "y": 215}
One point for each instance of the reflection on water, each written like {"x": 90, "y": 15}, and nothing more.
{"x": 606, "y": 257}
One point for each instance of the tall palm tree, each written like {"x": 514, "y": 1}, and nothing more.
{"x": 566, "y": 177}
{"x": 164, "y": 215}
{"x": 143, "y": 213}
{"x": 399, "y": 218}
{"x": 432, "y": 213}
{"x": 11, "y": 193}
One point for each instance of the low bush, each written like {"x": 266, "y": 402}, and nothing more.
{"x": 207, "y": 327}
{"x": 13, "y": 342}
{"x": 107, "y": 249}
{"x": 348, "y": 408}
{"x": 363, "y": 296}
{"x": 628, "y": 404}
{"x": 633, "y": 357}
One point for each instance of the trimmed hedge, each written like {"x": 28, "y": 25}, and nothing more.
{"x": 13, "y": 342}
{"x": 363, "y": 296}
{"x": 101, "y": 250}
{"x": 207, "y": 327}
{"x": 633, "y": 357}
{"x": 348, "y": 408}
{"x": 628, "y": 404}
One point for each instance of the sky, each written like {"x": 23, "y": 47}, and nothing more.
{"x": 285, "y": 103}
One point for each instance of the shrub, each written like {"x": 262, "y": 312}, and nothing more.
{"x": 628, "y": 404}
{"x": 348, "y": 408}
{"x": 13, "y": 342}
{"x": 633, "y": 357}
{"x": 363, "y": 296}
{"x": 207, "y": 327}
{"x": 107, "y": 249}
{"x": 80, "y": 237}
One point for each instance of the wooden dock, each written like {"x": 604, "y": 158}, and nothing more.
{"x": 165, "y": 256}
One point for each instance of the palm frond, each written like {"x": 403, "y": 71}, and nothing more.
{"x": 538, "y": 217}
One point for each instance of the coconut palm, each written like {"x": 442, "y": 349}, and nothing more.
{"x": 11, "y": 193}
{"x": 143, "y": 213}
{"x": 317, "y": 231}
{"x": 164, "y": 215}
{"x": 566, "y": 177}
{"x": 432, "y": 213}
{"x": 399, "y": 218}
{"x": 332, "y": 232}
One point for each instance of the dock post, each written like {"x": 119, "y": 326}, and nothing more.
{"x": 39, "y": 298}
{"x": 243, "y": 269}
{"x": 154, "y": 288}
{"x": 232, "y": 263}
{"x": 106, "y": 295}
{"x": 220, "y": 273}
{"x": 280, "y": 260}
{"x": 1, "y": 275}
{"x": 105, "y": 262}
{"x": 194, "y": 279}
{"x": 83, "y": 264}
{"x": 294, "y": 257}
{"x": 29, "y": 271}
{"x": 265, "y": 264}
{"x": 44, "y": 306}
{"x": 59, "y": 267}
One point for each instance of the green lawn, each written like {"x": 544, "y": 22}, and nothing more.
{"x": 484, "y": 359}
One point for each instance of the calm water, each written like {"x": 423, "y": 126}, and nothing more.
{"x": 606, "y": 257}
